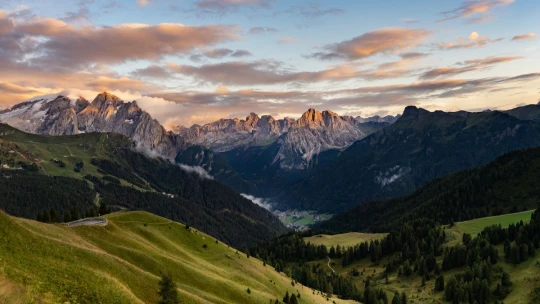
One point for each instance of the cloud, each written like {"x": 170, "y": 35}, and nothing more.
{"x": 241, "y": 53}
{"x": 223, "y": 7}
{"x": 261, "y": 30}
{"x": 473, "y": 41}
{"x": 268, "y": 72}
{"x": 189, "y": 107}
{"x": 310, "y": 10}
{"x": 413, "y": 55}
{"x": 143, "y": 2}
{"x": 196, "y": 170}
{"x": 471, "y": 10}
{"x": 409, "y": 20}
{"x": 52, "y": 42}
{"x": 466, "y": 66}
{"x": 524, "y": 36}
{"x": 286, "y": 40}
{"x": 258, "y": 201}
{"x": 219, "y": 54}
{"x": 152, "y": 71}
{"x": 382, "y": 41}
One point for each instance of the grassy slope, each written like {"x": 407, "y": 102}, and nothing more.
{"x": 122, "y": 262}
{"x": 524, "y": 276}
{"x": 345, "y": 239}
{"x": 473, "y": 227}
{"x": 69, "y": 149}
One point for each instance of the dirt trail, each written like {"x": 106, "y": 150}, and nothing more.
{"x": 95, "y": 221}
{"x": 330, "y": 266}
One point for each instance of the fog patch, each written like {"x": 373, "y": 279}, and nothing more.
{"x": 152, "y": 153}
{"x": 197, "y": 170}
{"x": 258, "y": 201}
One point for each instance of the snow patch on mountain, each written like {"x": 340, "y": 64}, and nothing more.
{"x": 391, "y": 175}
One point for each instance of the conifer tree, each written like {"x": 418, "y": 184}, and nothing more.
{"x": 167, "y": 290}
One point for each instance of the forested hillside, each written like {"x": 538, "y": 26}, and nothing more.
{"x": 68, "y": 177}
{"x": 508, "y": 184}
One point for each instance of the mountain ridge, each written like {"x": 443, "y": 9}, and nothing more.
{"x": 417, "y": 148}
{"x": 505, "y": 185}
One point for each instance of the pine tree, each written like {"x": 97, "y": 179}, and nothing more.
{"x": 103, "y": 209}
{"x": 286, "y": 298}
{"x": 167, "y": 290}
{"x": 293, "y": 299}
{"x": 396, "y": 299}
{"x": 404, "y": 298}
{"x": 439, "y": 283}
{"x": 67, "y": 217}
{"x": 53, "y": 216}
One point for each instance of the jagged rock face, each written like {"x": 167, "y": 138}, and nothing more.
{"x": 313, "y": 133}
{"x": 298, "y": 140}
{"x": 387, "y": 119}
{"x": 106, "y": 113}
{"x": 227, "y": 134}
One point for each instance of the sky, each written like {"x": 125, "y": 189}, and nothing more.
{"x": 195, "y": 61}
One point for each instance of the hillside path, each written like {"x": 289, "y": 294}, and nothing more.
{"x": 94, "y": 221}
{"x": 330, "y": 266}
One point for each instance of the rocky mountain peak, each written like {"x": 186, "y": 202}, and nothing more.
{"x": 311, "y": 118}
{"x": 252, "y": 119}
{"x": 106, "y": 98}
{"x": 412, "y": 112}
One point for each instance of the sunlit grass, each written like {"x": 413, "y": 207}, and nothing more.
{"x": 123, "y": 261}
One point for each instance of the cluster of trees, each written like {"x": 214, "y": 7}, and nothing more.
{"x": 314, "y": 276}
{"x": 290, "y": 254}
{"x": 292, "y": 299}
{"x": 26, "y": 194}
{"x": 417, "y": 243}
{"x": 520, "y": 239}
{"x": 376, "y": 295}
{"x": 479, "y": 249}
{"x": 107, "y": 166}
{"x": 290, "y": 248}
{"x": 472, "y": 286}
{"x": 69, "y": 215}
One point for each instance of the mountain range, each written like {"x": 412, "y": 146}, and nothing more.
{"x": 321, "y": 161}
{"x": 417, "y": 148}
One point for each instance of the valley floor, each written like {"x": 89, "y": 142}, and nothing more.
{"x": 301, "y": 219}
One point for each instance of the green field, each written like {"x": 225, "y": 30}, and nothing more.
{"x": 122, "y": 263}
{"x": 345, "y": 239}
{"x": 473, "y": 227}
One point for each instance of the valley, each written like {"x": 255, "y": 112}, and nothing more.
{"x": 269, "y": 152}
{"x": 301, "y": 220}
